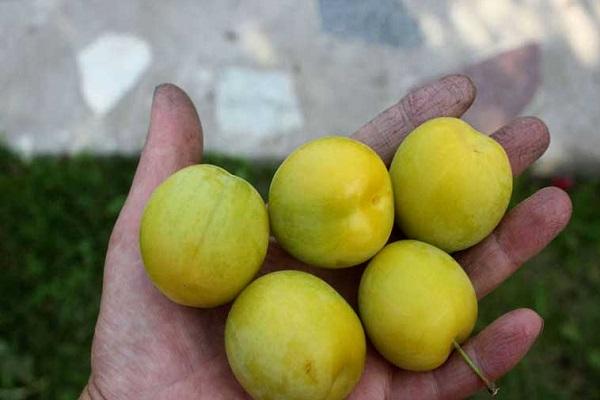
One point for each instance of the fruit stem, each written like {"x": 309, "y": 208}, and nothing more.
{"x": 491, "y": 386}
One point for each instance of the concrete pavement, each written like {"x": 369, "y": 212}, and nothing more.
{"x": 267, "y": 75}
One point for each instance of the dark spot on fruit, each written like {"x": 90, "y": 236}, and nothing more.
{"x": 375, "y": 200}
{"x": 308, "y": 370}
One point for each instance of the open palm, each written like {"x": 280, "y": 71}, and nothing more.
{"x": 146, "y": 347}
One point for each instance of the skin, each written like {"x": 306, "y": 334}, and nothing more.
{"x": 446, "y": 171}
{"x": 289, "y": 335}
{"x": 147, "y": 347}
{"x": 331, "y": 203}
{"x": 415, "y": 296}
{"x": 203, "y": 236}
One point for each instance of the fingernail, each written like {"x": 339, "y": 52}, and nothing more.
{"x": 157, "y": 88}
{"x": 156, "y": 91}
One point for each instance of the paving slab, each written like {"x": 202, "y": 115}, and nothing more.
{"x": 268, "y": 75}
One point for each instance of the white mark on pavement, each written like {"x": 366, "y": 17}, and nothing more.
{"x": 109, "y": 67}
{"x": 581, "y": 33}
{"x": 258, "y": 45}
{"x": 433, "y": 29}
{"x": 470, "y": 28}
{"x": 257, "y": 103}
{"x": 202, "y": 81}
{"x": 24, "y": 145}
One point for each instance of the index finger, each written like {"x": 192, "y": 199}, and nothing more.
{"x": 449, "y": 96}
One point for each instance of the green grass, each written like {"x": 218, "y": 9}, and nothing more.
{"x": 56, "y": 214}
{"x": 563, "y": 285}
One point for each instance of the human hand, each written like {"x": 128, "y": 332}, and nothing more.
{"x": 147, "y": 347}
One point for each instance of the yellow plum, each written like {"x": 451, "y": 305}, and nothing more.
{"x": 452, "y": 184}
{"x": 289, "y": 335}
{"x": 203, "y": 236}
{"x": 416, "y": 302}
{"x": 331, "y": 203}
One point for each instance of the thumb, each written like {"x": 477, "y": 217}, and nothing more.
{"x": 174, "y": 141}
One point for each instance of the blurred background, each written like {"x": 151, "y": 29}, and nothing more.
{"x": 76, "y": 82}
